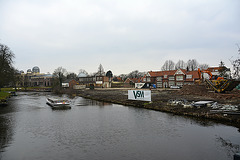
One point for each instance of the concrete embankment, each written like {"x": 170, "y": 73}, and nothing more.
{"x": 159, "y": 102}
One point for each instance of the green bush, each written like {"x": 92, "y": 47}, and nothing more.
{"x": 4, "y": 95}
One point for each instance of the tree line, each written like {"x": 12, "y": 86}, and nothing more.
{"x": 190, "y": 65}
{"x": 8, "y": 74}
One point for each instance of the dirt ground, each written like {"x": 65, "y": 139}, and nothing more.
{"x": 160, "y": 98}
{"x": 188, "y": 92}
{"x": 202, "y": 92}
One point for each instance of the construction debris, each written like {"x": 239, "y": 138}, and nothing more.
{"x": 216, "y": 107}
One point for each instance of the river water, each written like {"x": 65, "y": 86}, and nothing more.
{"x": 30, "y": 129}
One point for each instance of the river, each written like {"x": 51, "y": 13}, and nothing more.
{"x": 91, "y": 130}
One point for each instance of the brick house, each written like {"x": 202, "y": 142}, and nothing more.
{"x": 72, "y": 83}
{"x": 102, "y": 81}
{"x": 130, "y": 82}
{"x": 69, "y": 83}
{"x": 164, "y": 79}
{"x": 97, "y": 81}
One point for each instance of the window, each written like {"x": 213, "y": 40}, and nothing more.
{"x": 179, "y": 84}
{"x": 189, "y": 76}
{"x": 159, "y": 84}
{"x": 171, "y": 83}
{"x": 159, "y": 78}
{"x": 99, "y": 78}
{"x": 148, "y": 79}
{"x": 144, "y": 79}
{"x": 171, "y": 78}
{"x": 165, "y": 76}
{"x": 179, "y": 78}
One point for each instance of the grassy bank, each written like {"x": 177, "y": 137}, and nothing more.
{"x": 4, "y": 95}
{"x": 7, "y": 89}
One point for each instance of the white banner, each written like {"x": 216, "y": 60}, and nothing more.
{"x": 98, "y": 82}
{"x": 140, "y": 95}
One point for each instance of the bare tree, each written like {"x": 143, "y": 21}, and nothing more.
{"x": 180, "y": 65}
{"x": 236, "y": 66}
{"x": 100, "y": 71}
{"x": 71, "y": 76}
{"x": 203, "y": 66}
{"x": 26, "y": 81}
{"x": 123, "y": 76}
{"x": 83, "y": 71}
{"x": 168, "y": 65}
{"x": 60, "y": 74}
{"x": 93, "y": 74}
{"x": 135, "y": 74}
{"x": 192, "y": 64}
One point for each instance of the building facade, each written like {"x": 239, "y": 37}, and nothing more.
{"x": 97, "y": 81}
{"x": 165, "y": 79}
{"x": 33, "y": 78}
{"x": 216, "y": 71}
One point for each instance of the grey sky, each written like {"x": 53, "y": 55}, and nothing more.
{"x": 122, "y": 35}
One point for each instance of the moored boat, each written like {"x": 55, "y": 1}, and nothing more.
{"x": 58, "y": 103}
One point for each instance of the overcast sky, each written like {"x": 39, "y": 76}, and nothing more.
{"x": 122, "y": 35}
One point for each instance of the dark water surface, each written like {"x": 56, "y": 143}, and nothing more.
{"x": 31, "y": 130}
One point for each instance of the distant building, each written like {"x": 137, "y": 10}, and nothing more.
{"x": 69, "y": 83}
{"x": 97, "y": 81}
{"x": 34, "y": 78}
{"x": 36, "y": 69}
{"x": 130, "y": 82}
{"x": 165, "y": 79}
{"x": 216, "y": 71}
{"x": 42, "y": 80}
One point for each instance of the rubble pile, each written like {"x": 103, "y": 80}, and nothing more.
{"x": 224, "y": 107}
{"x": 201, "y": 90}
{"x": 193, "y": 90}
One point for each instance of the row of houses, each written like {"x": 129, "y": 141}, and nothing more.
{"x": 179, "y": 77}
{"x": 88, "y": 82}
{"x": 158, "y": 79}
{"x": 164, "y": 79}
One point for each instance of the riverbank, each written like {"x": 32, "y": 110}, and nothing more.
{"x": 161, "y": 97}
{"x": 3, "y": 97}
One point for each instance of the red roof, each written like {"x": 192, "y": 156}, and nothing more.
{"x": 194, "y": 75}
{"x": 172, "y": 73}
{"x": 162, "y": 73}
{"x": 134, "y": 80}
{"x": 213, "y": 69}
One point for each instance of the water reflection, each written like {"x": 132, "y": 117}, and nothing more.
{"x": 6, "y": 131}
{"x": 30, "y": 129}
{"x": 229, "y": 147}
{"x": 79, "y": 101}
